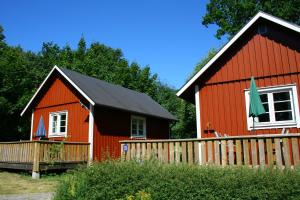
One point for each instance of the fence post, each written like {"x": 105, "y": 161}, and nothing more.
{"x": 36, "y": 164}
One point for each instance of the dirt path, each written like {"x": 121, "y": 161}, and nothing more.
{"x": 31, "y": 196}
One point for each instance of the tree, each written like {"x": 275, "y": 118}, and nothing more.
{"x": 231, "y": 15}
{"x": 21, "y": 73}
{"x": 211, "y": 53}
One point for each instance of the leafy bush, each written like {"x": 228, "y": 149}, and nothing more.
{"x": 151, "y": 180}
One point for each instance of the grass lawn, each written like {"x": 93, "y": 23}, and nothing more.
{"x": 20, "y": 183}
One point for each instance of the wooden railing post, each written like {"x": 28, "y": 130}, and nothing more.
{"x": 36, "y": 159}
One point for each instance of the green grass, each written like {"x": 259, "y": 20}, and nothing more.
{"x": 21, "y": 183}
{"x": 151, "y": 180}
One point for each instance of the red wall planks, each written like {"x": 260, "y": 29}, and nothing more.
{"x": 60, "y": 96}
{"x": 272, "y": 61}
{"x": 111, "y": 126}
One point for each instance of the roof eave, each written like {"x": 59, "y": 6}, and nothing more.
{"x": 44, "y": 82}
{"x": 233, "y": 40}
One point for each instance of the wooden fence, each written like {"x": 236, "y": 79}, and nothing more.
{"x": 42, "y": 155}
{"x": 255, "y": 151}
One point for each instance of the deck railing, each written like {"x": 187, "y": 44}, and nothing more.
{"x": 255, "y": 151}
{"x": 39, "y": 155}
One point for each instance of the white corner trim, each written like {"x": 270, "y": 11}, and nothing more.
{"x": 45, "y": 80}
{"x": 197, "y": 106}
{"x": 91, "y": 131}
{"x": 198, "y": 122}
{"x": 31, "y": 126}
{"x": 237, "y": 36}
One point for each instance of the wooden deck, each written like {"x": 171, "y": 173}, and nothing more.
{"x": 39, "y": 156}
{"x": 281, "y": 151}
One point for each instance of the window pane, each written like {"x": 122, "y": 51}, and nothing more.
{"x": 264, "y": 98}
{"x": 134, "y": 132}
{"x": 63, "y": 116}
{"x": 264, "y": 117}
{"x": 141, "y": 132}
{"x": 283, "y": 116}
{"x": 282, "y": 106}
{"x": 141, "y": 127}
{"x": 281, "y": 96}
{"x": 63, "y": 123}
{"x": 62, "y": 129}
{"x": 54, "y": 123}
{"x": 266, "y": 106}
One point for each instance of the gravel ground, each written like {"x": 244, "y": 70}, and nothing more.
{"x": 30, "y": 196}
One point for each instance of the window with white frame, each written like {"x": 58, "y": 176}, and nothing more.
{"x": 281, "y": 106}
{"x": 138, "y": 127}
{"x": 58, "y": 122}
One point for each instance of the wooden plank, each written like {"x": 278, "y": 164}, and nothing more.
{"x": 238, "y": 146}
{"x": 231, "y": 152}
{"x": 172, "y": 157}
{"x": 203, "y": 153}
{"x": 160, "y": 151}
{"x": 149, "y": 150}
{"x": 217, "y": 153}
{"x": 132, "y": 151}
{"x": 278, "y": 153}
{"x": 196, "y": 152}
{"x": 184, "y": 151}
{"x": 166, "y": 152}
{"x": 154, "y": 150}
{"x": 190, "y": 152}
{"x": 177, "y": 152}
{"x": 261, "y": 150}
{"x": 269, "y": 145}
{"x": 209, "y": 152}
{"x": 122, "y": 152}
{"x": 246, "y": 152}
{"x": 254, "y": 153}
{"x": 286, "y": 152}
{"x": 223, "y": 153}
{"x": 295, "y": 148}
{"x": 138, "y": 151}
{"x": 143, "y": 156}
{"x": 127, "y": 158}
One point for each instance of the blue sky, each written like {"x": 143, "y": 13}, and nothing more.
{"x": 166, "y": 35}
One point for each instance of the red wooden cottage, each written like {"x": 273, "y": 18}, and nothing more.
{"x": 78, "y": 108}
{"x": 267, "y": 48}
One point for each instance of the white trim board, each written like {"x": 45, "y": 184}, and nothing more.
{"x": 234, "y": 39}
{"x": 91, "y": 131}
{"x": 44, "y": 82}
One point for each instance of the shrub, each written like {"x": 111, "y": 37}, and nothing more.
{"x": 151, "y": 180}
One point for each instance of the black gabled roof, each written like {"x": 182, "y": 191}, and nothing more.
{"x": 106, "y": 94}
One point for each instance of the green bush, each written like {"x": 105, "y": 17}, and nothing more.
{"x": 151, "y": 180}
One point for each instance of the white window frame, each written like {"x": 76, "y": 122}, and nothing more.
{"x": 144, "y": 127}
{"x": 57, "y": 134}
{"x": 292, "y": 88}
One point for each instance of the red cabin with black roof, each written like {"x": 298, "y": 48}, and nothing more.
{"x": 79, "y": 108}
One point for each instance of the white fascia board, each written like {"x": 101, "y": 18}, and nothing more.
{"x": 75, "y": 86}
{"x": 235, "y": 38}
{"x": 45, "y": 80}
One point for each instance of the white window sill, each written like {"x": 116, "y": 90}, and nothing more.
{"x": 57, "y": 135}
{"x": 138, "y": 137}
{"x": 274, "y": 126}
